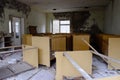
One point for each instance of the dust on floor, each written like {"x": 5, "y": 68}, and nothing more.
{"x": 45, "y": 73}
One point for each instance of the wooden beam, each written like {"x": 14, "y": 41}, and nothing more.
{"x": 3, "y": 52}
{"x": 10, "y": 47}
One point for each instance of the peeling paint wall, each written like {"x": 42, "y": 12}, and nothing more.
{"x": 99, "y": 16}
{"x": 4, "y": 26}
{"x": 81, "y": 19}
{"x": 35, "y": 18}
{"x": 96, "y": 17}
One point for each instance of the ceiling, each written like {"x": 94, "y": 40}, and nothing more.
{"x": 65, "y": 5}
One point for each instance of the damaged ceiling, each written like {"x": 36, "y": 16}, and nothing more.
{"x": 65, "y": 5}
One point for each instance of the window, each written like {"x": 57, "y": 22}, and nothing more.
{"x": 65, "y": 26}
{"x": 10, "y": 27}
{"x": 61, "y": 26}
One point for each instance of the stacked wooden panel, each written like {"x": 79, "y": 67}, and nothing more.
{"x": 58, "y": 43}
{"x": 45, "y": 45}
{"x": 69, "y": 42}
{"x": 78, "y": 43}
{"x": 114, "y": 51}
{"x": 30, "y": 55}
{"x": 27, "y": 39}
{"x": 65, "y": 68}
{"x": 102, "y": 41}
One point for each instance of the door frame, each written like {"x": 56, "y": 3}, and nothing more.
{"x": 12, "y": 27}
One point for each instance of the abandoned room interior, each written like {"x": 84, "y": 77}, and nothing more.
{"x": 59, "y": 40}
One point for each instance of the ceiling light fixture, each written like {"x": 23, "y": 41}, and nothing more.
{"x": 54, "y": 9}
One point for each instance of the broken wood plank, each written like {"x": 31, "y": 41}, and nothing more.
{"x": 14, "y": 69}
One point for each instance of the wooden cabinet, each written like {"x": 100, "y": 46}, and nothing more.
{"x": 46, "y": 45}
{"x": 79, "y": 44}
{"x": 32, "y": 29}
{"x": 6, "y": 41}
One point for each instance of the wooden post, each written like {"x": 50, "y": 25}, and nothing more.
{"x": 81, "y": 71}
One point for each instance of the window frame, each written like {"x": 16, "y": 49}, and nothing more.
{"x": 62, "y": 24}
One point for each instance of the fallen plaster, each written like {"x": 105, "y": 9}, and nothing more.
{"x": 44, "y": 73}
{"x": 100, "y": 69}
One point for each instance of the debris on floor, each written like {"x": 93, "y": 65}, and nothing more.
{"x": 44, "y": 73}
{"x": 14, "y": 69}
{"x": 76, "y": 78}
{"x": 100, "y": 69}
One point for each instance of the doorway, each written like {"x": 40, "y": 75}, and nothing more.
{"x": 15, "y": 27}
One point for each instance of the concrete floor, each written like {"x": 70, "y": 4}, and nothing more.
{"x": 45, "y": 73}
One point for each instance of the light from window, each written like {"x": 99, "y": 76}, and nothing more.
{"x": 17, "y": 27}
{"x": 65, "y": 22}
{"x": 65, "y": 29}
{"x": 10, "y": 28}
{"x": 65, "y": 26}
{"x": 61, "y": 26}
{"x": 55, "y": 26}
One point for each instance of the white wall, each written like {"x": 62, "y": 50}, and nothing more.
{"x": 35, "y": 18}
{"x": 113, "y": 18}
{"x": 38, "y": 19}
{"x": 49, "y": 19}
{"x": 98, "y": 15}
